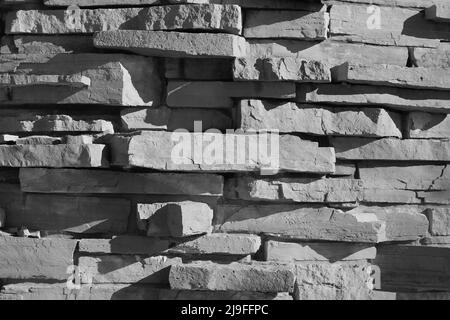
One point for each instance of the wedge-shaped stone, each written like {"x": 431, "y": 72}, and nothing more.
{"x": 207, "y": 17}
{"x": 398, "y": 98}
{"x": 333, "y": 281}
{"x": 199, "y": 69}
{"x": 172, "y": 119}
{"x": 22, "y": 121}
{"x": 62, "y": 155}
{"x": 354, "y": 23}
{"x": 317, "y": 251}
{"x": 35, "y": 259}
{"x": 22, "y": 80}
{"x": 215, "y": 94}
{"x": 83, "y": 181}
{"x": 219, "y": 244}
{"x": 281, "y": 69}
{"x": 430, "y": 58}
{"x": 331, "y": 53}
{"x": 124, "y": 245}
{"x": 286, "y": 24}
{"x": 115, "y": 80}
{"x": 439, "y": 218}
{"x": 290, "y": 117}
{"x": 235, "y": 276}
{"x": 234, "y": 153}
{"x": 173, "y": 44}
{"x": 396, "y": 76}
{"x": 301, "y": 222}
{"x": 125, "y": 269}
{"x": 439, "y": 12}
{"x": 427, "y": 125}
{"x": 294, "y": 189}
{"x": 391, "y": 149}
{"x": 68, "y": 213}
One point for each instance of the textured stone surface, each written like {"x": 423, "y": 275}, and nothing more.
{"x": 2, "y": 218}
{"x": 281, "y": 69}
{"x": 429, "y": 58}
{"x": 439, "y": 218}
{"x": 124, "y": 245}
{"x": 172, "y": 44}
{"x": 427, "y": 125}
{"x": 37, "y": 259}
{"x": 391, "y": 149}
{"x": 33, "y": 140}
{"x": 439, "y": 12}
{"x": 125, "y": 269}
{"x": 294, "y": 189}
{"x": 317, "y": 251}
{"x": 63, "y": 155}
{"x": 290, "y": 117}
{"x": 80, "y": 181}
{"x": 399, "y": 98}
{"x": 237, "y": 277}
{"x": 286, "y": 24}
{"x": 214, "y": 94}
{"x": 155, "y": 150}
{"x": 221, "y": 295}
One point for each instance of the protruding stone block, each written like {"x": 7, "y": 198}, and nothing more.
{"x": 432, "y": 57}
{"x": 428, "y": 125}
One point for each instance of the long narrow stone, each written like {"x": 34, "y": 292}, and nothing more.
{"x": 391, "y": 149}
{"x": 37, "y": 259}
{"x": 116, "y": 182}
{"x": 235, "y": 276}
{"x": 204, "y": 17}
{"x": 172, "y": 44}
{"x": 428, "y": 125}
{"x": 199, "y": 69}
{"x": 215, "y": 94}
{"x": 396, "y": 76}
{"x": 429, "y": 58}
{"x": 436, "y": 101}
{"x": 57, "y": 156}
{"x": 439, "y": 12}
{"x": 18, "y": 80}
{"x": 354, "y": 23}
{"x": 290, "y": 117}
{"x": 124, "y": 245}
{"x": 270, "y": 24}
{"x": 294, "y": 189}
{"x": 233, "y": 153}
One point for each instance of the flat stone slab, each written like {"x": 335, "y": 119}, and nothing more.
{"x": 391, "y": 149}
{"x": 288, "y": 117}
{"x": 20, "y": 80}
{"x": 35, "y": 259}
{"x": 133, "y": 245}
{"x": 294, "y": 189}
{"x": 160, "y": 151}
{"x": 428, "y": 125}
{"x": 271, "y": 24}
{"x": 235, "y": 276}
{"x": 429, "y": 58}
{"x": 439, "y": 12}
{"x": 115, "y": 182}
{"x": 399, "y": 98}
{"x": 206, "y": 17}
{"x": 172, "y": 44}
{"x": 62, "y": 155}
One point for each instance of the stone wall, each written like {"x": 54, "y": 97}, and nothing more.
{"x": 99, "y": 201}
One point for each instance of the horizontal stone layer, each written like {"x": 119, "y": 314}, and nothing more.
{"x": 172, "y": 44}
{"x": 291, "y": 117}
{"x": 421, "y": 4}
{"x": 124, "y": 245}
{"x": 439, "y": 12}
{"x": 84, "y": 181}
{"x": 428, "y": 126}
{"x": 429, "y": 58}
{"x": 439, "y": 218}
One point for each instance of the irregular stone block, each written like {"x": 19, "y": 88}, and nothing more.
{"x": 199, "y": 69}
{"x": 355, "y": 23}
{"x": 317, "y": 251}
{"x": 171, "y": 119}
{"x": 436, "y": 241}
{"x": 428, "y": 125}
{"x": 124, "y": 245}
{"x": 439, "y": 218}
{"x": 391, "y": 149}
{"x": 294, "y": 189}
{"x": 430, "y": 58}
{"x": 81, "y": 181}
{"x": 207, "y": 17}
{"x": 398, "y": 98}
{"x": 160, "y": 151}
{"x": 37, "y": 259}
{"x": 220, "y": 295}
{"x": 281, "y": 69}
{"x": 212, "y": 94}
{"x": 125, "y": 269}
{"x": 68, "y": 213}
{"x": 2, "y": 218}
{"x": 290, "y": 117}
{"x": 331, "y": 53}
{"x": 286, "y": 24}
{"x": 219, "y": 243}
{"x": 234, "y": 276}
{"x": 263, "y": 4}
{"x": 95, "y": 3}
{"x": 62, "y": 155}
{"x": 172, "y": 44}
{"x": 390, "y": 196}
{"x": 396, "y": 76}
{"x": 439, "y": 12}
{"x": 32, "y": 140}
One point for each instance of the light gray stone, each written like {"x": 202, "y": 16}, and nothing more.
{"x": 8, "y": 139}
{"x": 427, "y": 125}
{"x": 391, "y": 196}
{"x": 33, "y": 140}
{"x": 95, "y": 3}
{"x": 221, "y": 295}
{"x": 439, "y": 218}
{"x": 439, "y": 12}
{"x": 81, "y": 139}
{"x": 434, "y": 197}
{"x": 430, "y": 58}
{"x": 420, "y": 4}
{"x": 199, "y": 69}
{"x": 22, "y": 80}
{"x": 125, "y": 245}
